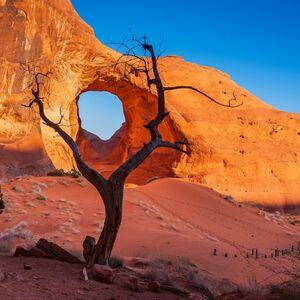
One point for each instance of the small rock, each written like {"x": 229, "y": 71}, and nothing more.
{"x": 229, "y": 198}
{"x": 103, "y": 273}
{"x": 27, "y": 267}
{"x": 154, "y": 286}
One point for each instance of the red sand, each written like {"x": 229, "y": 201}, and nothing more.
{"x": 166, "y": 218}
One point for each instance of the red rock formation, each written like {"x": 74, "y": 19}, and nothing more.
{"x": 251, "y": 152}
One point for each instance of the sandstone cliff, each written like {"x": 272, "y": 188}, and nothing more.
{"x": 251, "y": 152}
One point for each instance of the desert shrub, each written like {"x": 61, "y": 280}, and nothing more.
{"x": 41, "y": 197}
{"x": 159, "y": 275}
{"x": 57, "y": 172}
{"x": 73, "y": 173}
{"x": 5, "y": 246}
{"x": 159, "y": 270}
{"x": 60, "y": 172}
{"x": 285, "y": 292}
{"x": 197, "y": 283}
{"x": 17, "y": 233}
{"x": 250, "y": 288}
{"x": 290, "y": 289}
{"x": 184, "y": 264}
{"x": 116, "y": 262}
{"x": 171, "y": 272}
{"x": 151, "y": 179}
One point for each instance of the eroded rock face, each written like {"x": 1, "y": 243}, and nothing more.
{"x": 251, "y": 152}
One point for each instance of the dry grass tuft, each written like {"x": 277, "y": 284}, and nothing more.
{"x": 17, "y": 234}
{"x": 174, "y": 272}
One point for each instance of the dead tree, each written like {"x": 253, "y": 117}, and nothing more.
{"x": 111, "y": 190}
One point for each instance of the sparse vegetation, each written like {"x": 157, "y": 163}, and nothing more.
{"x": 73, "y": 173}
{"x": 158, "y": 275}
{"x": 18, "y": 233}
{"x": 167, "y": 272}
{"x": 60, "y": 172}
{"x": 285, "y": 291}
{"x": 250, "y": 288}
{"x": 289, "y": 289}
{"x": 57, "y": 172}
{"x": 196, "y": 282}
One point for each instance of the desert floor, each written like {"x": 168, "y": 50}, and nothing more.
{"x": 166, "y": 218}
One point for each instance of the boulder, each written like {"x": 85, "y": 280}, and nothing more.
{"x": 103, "y": 273}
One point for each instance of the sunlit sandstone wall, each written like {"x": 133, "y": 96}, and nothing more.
{"x": 251, "y": 152}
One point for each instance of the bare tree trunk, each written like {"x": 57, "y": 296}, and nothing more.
{"x": 113, "y": 202}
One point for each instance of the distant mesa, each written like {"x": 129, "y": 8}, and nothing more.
{"x": 250, "y": 152}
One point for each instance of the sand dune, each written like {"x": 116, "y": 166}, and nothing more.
{"x": 165, "y": 218}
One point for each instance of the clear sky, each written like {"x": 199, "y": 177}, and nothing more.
{"x": 256, "y": 42}
{"x": 101, "y": 113}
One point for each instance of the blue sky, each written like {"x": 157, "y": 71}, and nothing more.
{"x": 256, "y": 42}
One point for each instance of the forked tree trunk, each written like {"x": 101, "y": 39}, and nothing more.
{"x": 113, "y": 202}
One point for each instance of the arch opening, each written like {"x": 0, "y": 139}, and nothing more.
{"x": 102, "y": 128}
{"x": 100, "y": 113}
{"x": 137, "y": 107}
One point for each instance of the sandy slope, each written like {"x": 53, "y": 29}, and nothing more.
{"x": 167, "y": 217}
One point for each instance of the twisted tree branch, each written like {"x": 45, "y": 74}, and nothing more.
{"x": 170, "y": 88}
